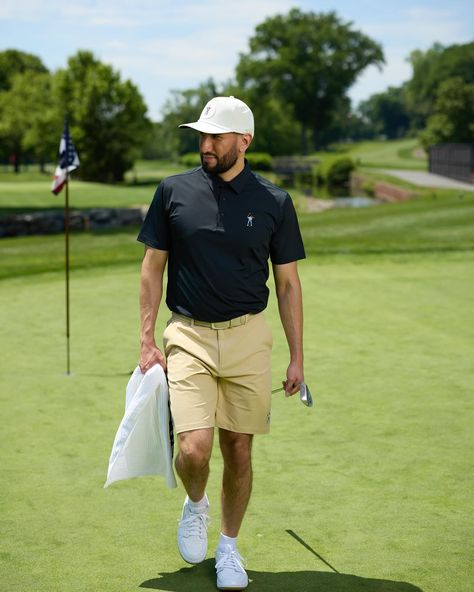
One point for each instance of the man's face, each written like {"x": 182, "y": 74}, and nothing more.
{"x": 219, "y": 152}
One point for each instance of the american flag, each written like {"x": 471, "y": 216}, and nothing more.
{"x": 68, "y": 161}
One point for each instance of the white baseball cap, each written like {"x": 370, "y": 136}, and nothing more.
{"x": 223, "y": 115}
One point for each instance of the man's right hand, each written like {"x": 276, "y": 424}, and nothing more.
{"x": 150, "y": 355}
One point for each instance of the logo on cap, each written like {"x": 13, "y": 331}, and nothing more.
{"x": 208, "y": 111}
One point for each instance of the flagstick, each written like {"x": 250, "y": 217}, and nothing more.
{"x": 66, "y": 237}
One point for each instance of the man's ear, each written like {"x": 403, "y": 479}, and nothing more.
{"x": 245, "y": 141}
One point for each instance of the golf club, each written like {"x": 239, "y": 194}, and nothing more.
{"x": 305, "y": 394}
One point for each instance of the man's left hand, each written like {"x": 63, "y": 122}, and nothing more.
{"x": 294, "y": 377}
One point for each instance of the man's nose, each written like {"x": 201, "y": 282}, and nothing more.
{"x": 206, "y": 143}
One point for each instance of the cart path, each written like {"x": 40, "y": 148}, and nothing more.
{"x": 426, "y": 179}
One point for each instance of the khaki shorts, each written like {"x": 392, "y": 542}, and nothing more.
{"x": 219, "y": 377}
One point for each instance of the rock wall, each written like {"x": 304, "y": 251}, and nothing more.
{"x": 52, "y": 221}
{"x": 380, "y": 189}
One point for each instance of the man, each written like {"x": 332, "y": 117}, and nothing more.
{"x": 216, "y": 227}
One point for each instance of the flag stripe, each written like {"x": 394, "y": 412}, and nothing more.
{"x": 68, "y": 161}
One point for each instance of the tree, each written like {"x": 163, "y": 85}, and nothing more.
{"x": 277, "y": 132}
{"x": 12, "y": 64}
{"x": 386, "y": 113}
{"x": 276, "y": 129}
{"x": 29, "y": 121}
{"x": 453, "y": 118}
{"x": 182, "y": 107}
{"x": 307, "y": 61}
{"x": 107, "y": 116}
{"x": 13, "y": 61}
{"x": 430, "y": 69}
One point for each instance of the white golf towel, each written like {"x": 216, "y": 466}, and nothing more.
{"x": 144, "y": 440}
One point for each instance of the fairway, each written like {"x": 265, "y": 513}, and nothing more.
{"x": 376, "y": 479}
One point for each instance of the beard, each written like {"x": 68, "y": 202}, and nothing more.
{"x": 222, "y": 164}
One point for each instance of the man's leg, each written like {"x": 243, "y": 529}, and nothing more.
{"x": 237, "y": 479}
{"x": 192, "y": 461}
{"x": 236, "y": 488}
{"x": 192, "y": 466}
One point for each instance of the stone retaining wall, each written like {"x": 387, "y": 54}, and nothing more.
{"x": 380, "y": 189}
{"x": 52, "y": 221}
{"x": 389, "y": 192}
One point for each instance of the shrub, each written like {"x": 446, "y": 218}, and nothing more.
{"x": 190, "y": 160}
{"x": 259, "y": 161}
{"x": 368, "y": 187}
{"x": 339, "y": 173}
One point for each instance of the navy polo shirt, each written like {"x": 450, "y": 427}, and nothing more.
{"x": 219, "y": 236}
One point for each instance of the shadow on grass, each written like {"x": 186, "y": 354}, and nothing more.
{"x": 199, "y": 578}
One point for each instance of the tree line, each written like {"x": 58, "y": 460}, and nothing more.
{"x": 107, "y": 116}
{"x": 296, "y": 75}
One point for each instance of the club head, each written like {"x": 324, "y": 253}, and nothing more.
{"x": 305, "y": 395}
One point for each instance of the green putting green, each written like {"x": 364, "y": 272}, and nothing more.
{"x": 375, "y": 480}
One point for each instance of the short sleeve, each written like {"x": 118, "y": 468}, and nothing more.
{"x": 286, "y": 244}
{"x": 155, "y": 230}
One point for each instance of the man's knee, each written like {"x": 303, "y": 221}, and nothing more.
{"x": 195, "y": 448}
{"x": 236, "y": 449}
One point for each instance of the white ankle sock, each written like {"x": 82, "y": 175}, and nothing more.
{"x": 200, "y": 505}
{"x": 226, "y": 540}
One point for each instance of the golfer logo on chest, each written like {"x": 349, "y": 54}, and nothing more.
{"x": 250, "y": 219}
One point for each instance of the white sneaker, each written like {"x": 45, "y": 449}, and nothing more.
{"x": 231, "y": 574}
{"x": 192, "y": 533}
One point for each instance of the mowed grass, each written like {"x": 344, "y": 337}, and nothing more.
{"x": 385, "y": 154}
{"x": 31, "y": 190}
{"x": 24, "y": 196}
{"x": 443, "y": 221}
{"x": 401, "y": 154}
{"x": 376, "y": 478}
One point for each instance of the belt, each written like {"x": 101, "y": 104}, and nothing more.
{"x": 217, "y": 325}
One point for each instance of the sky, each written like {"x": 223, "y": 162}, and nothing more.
{"x": 166, "y": 45}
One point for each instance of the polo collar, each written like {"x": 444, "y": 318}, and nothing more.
{"x": 236, "y": 184}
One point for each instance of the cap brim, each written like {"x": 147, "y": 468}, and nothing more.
{"x": 207, "y": 128}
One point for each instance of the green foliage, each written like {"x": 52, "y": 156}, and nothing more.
{"x": 339, "y": 173}
{"x": 368, "y": 187}
{"x": 29, "y": 122}
{"x": 277, "y": 132}
{"x": 387, "y": 154}
{"x": 387, "y": 113}
{"x": 153, "y": 146}
{"x": 430, "y": 69}
{"x": 453, "y": 118}
{"x": 259, "y": 161}
{"x": 13, "y": 62}
{"x": 308, "y": 61}
{"x": 190, "y": 160}
{"x": 184, "y": 107}
{"x": 107, "y": 116}
{"x": 19, "y": 109}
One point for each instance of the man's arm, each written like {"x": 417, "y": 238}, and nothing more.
{"x": 151, "y": 289}
{"x": 290, "y": 305}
